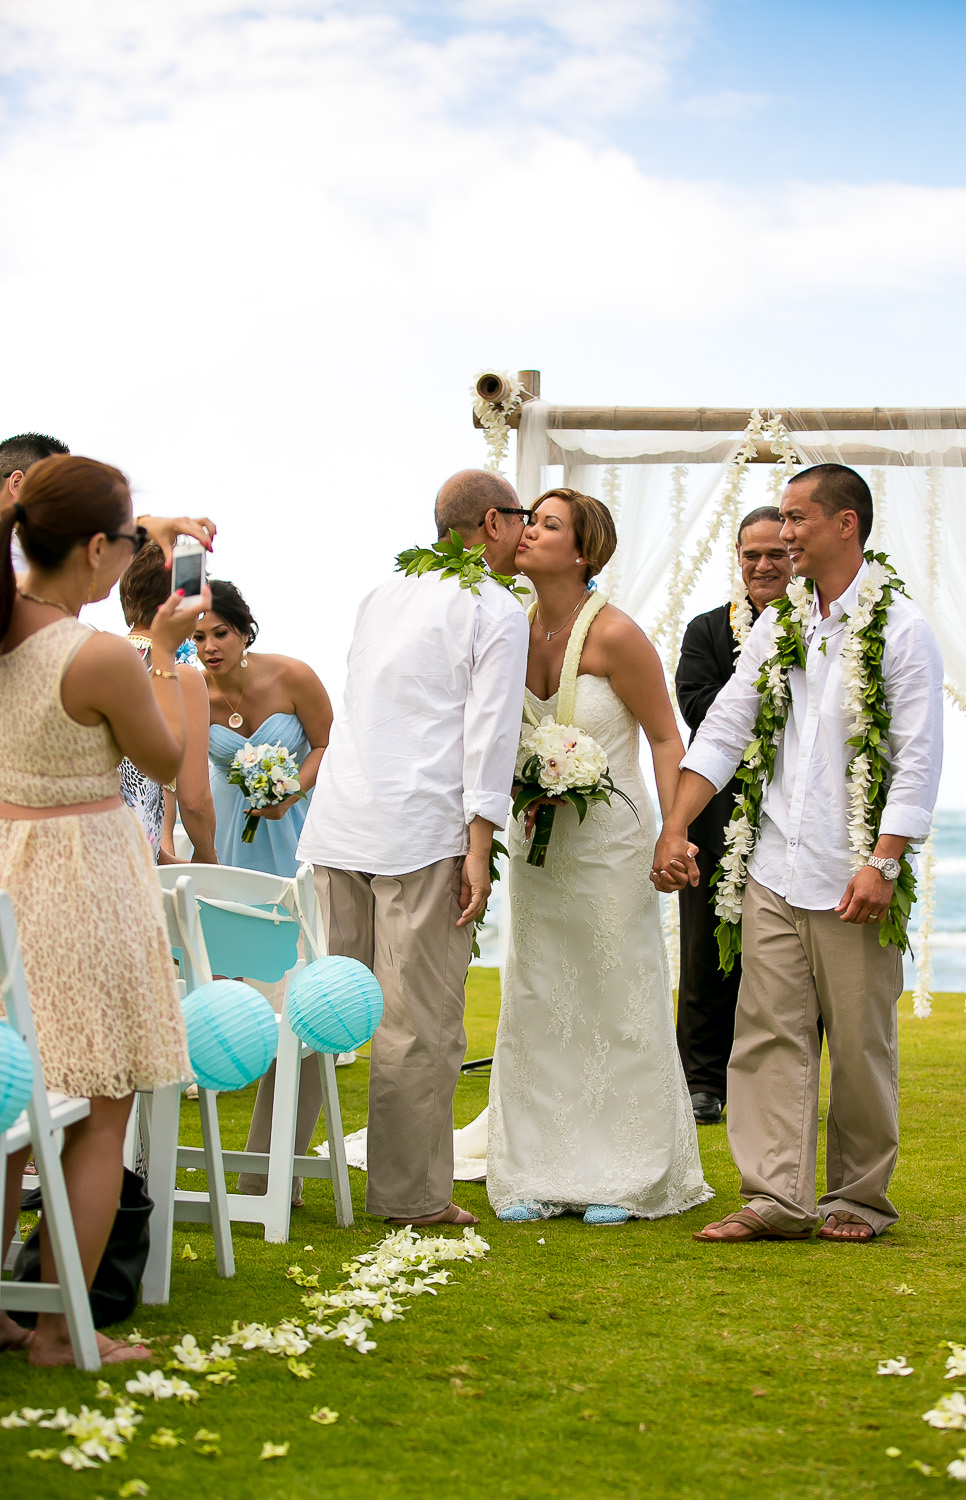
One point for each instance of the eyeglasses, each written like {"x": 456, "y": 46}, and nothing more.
{"x": 138, "y": 537}
{"x": 511, "y": 510}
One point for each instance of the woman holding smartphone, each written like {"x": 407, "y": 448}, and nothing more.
{"x": 74, "y": 860}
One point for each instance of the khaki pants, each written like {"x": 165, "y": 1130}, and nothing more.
{"x": 403, "y": 927}
{"x": 798, "y": 965}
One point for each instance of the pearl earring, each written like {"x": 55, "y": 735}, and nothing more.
{"x": 578, "y": 559}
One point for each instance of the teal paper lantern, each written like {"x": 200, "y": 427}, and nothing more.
{"x": 335, "y": 1004}
{"x": 16, "y": 1075}
{"x": 232, "y": 1033}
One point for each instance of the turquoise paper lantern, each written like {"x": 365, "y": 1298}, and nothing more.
{"x": 232, "y": 1034}
{"x": 16, "y": 1075}
{"x": 335, "y": 1004}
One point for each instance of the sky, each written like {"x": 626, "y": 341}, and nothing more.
{"x": 254, "y": 253}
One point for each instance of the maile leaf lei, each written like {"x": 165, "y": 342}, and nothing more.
{"x": 868, "y": 771}
{"x": 453, "y": 560}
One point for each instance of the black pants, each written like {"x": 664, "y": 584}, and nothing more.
{"x": 706, "y": 997}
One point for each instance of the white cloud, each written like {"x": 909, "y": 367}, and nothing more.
{"x": 256, "y": 258}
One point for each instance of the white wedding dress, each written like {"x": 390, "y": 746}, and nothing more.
{"x": 588, "y": 1102}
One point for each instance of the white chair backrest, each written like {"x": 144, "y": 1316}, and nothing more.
{"x": 184, "y": 931}
{"x": 251, "y": 920}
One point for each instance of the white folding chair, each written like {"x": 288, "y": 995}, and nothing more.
{"x": 160, "y": 1112}
{"x": 38, "y": 1126}
{"x": 252, "y": 922}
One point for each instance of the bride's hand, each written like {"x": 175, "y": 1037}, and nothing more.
{"x": 531, "y": 813}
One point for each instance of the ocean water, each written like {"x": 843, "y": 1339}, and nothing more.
{"x": 949, "y": 915}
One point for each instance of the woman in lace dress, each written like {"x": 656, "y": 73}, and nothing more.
{"x": 73, "y": 858}
{"x": 589, "y": 1110}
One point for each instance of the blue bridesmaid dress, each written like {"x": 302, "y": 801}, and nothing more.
{"x": 274, "y": 845}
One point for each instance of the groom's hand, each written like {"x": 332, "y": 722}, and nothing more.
{"x": 474, "y": 887}
{"x": 673, "y": 864}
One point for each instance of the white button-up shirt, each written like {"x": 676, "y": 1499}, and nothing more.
{"x": 802, "y": 852}
{"x": 427, "y": 738}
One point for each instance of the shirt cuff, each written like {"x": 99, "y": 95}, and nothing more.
{"x": 710, "y": 763}
{"x": 903, "y": 821}
{"x": 493, "y": 806}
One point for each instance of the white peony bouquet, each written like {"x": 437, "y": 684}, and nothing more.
{"x": 267, "y": 774}
{"x": 559, "y": 760}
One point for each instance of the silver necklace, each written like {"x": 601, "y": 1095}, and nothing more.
{"x": 552, "y": 633}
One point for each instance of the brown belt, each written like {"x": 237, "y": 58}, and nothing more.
{"x": 72, "y": 810}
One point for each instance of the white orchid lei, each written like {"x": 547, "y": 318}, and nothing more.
{"x": 402, "y": 1266}
{"x": 868, "y": 773}
{"x": 494, "y": 415}
{"x": 741, "y": 619}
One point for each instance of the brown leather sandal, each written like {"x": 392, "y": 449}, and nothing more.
{"x": 756, "y": 1226}
{"x": 834, "y": 1220}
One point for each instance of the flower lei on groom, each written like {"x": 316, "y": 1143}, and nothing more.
{"x": 868, "y": 773}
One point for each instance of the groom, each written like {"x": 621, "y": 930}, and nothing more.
{"x": 415, "y": 781}
{"x": 810, "y": 926}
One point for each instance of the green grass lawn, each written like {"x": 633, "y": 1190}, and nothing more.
{"x": 617, "y": 1362}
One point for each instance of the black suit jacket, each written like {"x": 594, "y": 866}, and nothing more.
{"x": 707, "y": 662}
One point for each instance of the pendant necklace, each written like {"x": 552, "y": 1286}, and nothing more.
{"x": 235, "y": 720}
{"x": 552, "y": 633}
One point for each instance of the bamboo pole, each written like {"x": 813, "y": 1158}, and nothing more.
{"x": 735, "y": 419}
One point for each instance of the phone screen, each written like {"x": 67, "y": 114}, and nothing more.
{"x": 188, "y": 573}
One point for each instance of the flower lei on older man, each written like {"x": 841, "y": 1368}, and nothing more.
{"x": 868, "y": 772}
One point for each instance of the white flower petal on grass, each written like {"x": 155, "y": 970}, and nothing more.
{"x": 274, "y": 1450}
{"x": 949, "y": 1412}
{"x": 894, "y": 1366}
{"x": 154, "y": 1383}
{"x": 893, "y": 1453}
{"x": 324, "y": 1416}
{"x": 955, "y": 1363}
{"x": 44, "y": 1454}
{"x": 14, "y": 1419}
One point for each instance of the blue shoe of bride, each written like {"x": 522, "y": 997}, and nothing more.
{"x": 519, "y": 1213}
{"x": 604, "y": 1213}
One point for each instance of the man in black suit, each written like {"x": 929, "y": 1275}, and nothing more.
{"x": 711, "y": 645}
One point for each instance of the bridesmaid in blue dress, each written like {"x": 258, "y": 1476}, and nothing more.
{"x": 261, "y": 699}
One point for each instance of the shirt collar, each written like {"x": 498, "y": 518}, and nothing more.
{"x": 843, "y": 605}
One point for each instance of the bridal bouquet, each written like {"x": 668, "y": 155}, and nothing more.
{"x": 559, "y": 760}
{"x": 267, "y": 774}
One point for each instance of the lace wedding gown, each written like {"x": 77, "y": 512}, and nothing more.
{"x": 588, "y": 1102}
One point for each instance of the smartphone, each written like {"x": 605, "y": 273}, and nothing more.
{"x": 188, "y": 571}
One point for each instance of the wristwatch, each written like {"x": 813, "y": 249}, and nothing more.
{"x": 889, "y": 868}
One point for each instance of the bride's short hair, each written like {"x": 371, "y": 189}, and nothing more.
{"x": 593, "y": 527}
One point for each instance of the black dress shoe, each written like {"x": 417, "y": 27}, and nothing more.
{"x": 707, "y": 1108}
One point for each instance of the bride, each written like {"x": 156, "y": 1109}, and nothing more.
{"x": 589, "y": 1110}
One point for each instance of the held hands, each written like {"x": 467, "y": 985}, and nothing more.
{"x": 674, "y": 865}
{"x": 867, "y": 898}
{"x": 474, "y": 888}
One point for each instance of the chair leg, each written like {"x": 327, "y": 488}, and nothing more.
{"x": 334, "y": 1135}
{"x": 217, "y": 1192}
{"x": 281, "y": 1153}
{"x": 160, "y": 1117}
{"x": 63, "y": 1241}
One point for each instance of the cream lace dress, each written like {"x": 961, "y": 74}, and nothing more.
{"x": 84, "y": 890}
{"x": 588, "y": 1102}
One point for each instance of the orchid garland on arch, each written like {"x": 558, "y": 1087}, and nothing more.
{"x": 868, "y": 772}
{"x": 494, "y": 416}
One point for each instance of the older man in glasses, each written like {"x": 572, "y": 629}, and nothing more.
{"x": 414, "y": 783}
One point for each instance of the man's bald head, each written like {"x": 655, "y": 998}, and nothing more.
{"x": 465, "y": 498}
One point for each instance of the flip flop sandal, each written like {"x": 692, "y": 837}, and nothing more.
{"x": 759, "y": 1230}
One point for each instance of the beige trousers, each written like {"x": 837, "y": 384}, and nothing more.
{"x": 798, "y": 965}
{"x": 403, "y": 927}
